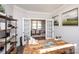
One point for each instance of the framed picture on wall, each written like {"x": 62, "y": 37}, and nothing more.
{"x": 70, "y": 18}
{"x": 56, "y": 22}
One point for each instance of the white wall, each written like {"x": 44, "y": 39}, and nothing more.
{"x": 8, "y": 9}
{"x": 68, "y": 33}
{"x": 20, "y": 13}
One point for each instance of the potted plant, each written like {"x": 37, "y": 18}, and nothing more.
{"x": 2, "y": 9}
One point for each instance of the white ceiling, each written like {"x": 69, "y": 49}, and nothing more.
{"x": 40, "y": 7}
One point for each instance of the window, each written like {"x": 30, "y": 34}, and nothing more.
{"x": 39, "y": 25}
{"x": 36, "y": 24}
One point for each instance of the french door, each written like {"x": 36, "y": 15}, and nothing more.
{"x": 26, "y": 30}
{"x": 49, "y": 28}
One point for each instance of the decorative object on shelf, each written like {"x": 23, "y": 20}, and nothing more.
{"x": 1, "y": 46}
{"x": 70, "y": 18}
{"x": 10, "y": 25}
{"x": 56, "y": 22}
{"x": 7, "y": 34}
{"x": 2, "y": 9}
{"x": 11, "y": 16}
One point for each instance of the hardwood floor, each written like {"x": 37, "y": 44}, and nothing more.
{"x": 20, "y": 50}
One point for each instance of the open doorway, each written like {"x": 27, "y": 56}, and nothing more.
{"x": 38, "y": 29}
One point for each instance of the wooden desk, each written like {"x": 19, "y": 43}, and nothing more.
{"x": 38, "y": 48}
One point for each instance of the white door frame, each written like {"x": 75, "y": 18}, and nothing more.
{"x": 45, "y": 26}
{"x": 23, "y": 19}
{"x": 52, "y": 28}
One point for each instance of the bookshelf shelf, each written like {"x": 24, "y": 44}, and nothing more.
{"x": 8, "y": 37}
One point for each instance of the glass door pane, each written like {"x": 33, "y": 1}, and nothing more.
{"x": 34, "y": 24}
{"x": 49, "y": 29}
{"x": 39, "y": 25}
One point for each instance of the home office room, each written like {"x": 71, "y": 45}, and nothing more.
{"x": 39, "y": 28}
